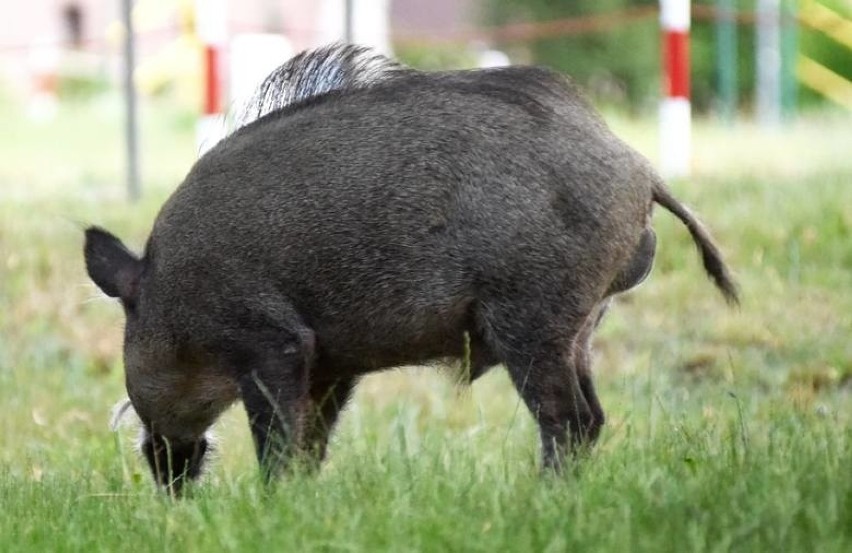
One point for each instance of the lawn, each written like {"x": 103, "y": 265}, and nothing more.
{"x": 728, "y": 429}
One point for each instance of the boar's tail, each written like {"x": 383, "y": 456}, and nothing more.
{"x": 313, "y": 73}
{"x": 710, "y": 255}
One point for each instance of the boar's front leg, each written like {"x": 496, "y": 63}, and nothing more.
{"x": 275, "y": 396}
{"x": 173, "y": 462}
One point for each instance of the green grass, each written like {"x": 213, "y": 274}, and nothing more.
{"x": 728, "y": 429}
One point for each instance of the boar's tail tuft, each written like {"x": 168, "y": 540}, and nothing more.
{"x": 710, "y": 255}
{"x": 313, "y": 73}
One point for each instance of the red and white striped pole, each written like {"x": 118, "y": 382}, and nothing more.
{"x": 212, "y": 27}
{"x": 675, "y": 111}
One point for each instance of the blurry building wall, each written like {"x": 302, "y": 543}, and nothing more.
{"x": 42, "y": 38}
{"x": 423, "y": 17}
{"x": 37, "y": 36}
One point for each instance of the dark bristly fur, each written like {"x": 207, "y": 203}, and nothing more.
{"x": 366, "y": 216}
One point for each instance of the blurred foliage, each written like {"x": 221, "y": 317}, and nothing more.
{"x": 435, "y": 57}
{"x": 621, "y": 65}
{"x": 81, "y": 86}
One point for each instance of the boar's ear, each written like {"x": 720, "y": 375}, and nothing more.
{"x": 111, "y": 265}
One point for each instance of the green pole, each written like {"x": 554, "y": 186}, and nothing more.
{"x": 726, "y": 59}
{"x": 789, "y": 54}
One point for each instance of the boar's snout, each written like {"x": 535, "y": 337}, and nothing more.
{"x": 180, "y": 406}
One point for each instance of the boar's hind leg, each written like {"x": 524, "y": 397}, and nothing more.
{"x": 582, "y": 365}
{"x": 539, "y": 356}
{"x": 327, "y": 400}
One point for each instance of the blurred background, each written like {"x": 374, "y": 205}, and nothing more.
{"x": 770, "y": 170}
{"x": 73, "y": 49}
{"x": 763, "y": 61}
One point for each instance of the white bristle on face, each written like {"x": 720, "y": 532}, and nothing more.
{"x": 119, "y": 414}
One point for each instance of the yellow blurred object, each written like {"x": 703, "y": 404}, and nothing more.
{"x": 825, "y": 81}
{"x": 114, "y": 34}
{"x": 176, "y": 66}
{"x": 814, "y": 75}
{"x": 186, "y": 16}
{"x": 151, "y": 14}
{"x": 828, "y": 21}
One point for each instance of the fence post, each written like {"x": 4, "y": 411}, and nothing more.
{"x": 675, "y": 110}
{"x": 212, "y": 29}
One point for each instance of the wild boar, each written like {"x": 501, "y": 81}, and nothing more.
{"x": 366, "y": 215}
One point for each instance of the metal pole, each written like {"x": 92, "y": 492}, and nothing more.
{"x": 348, "y": 21}
{"x": 726, "y": 59}
{"x": 131, "y": 128}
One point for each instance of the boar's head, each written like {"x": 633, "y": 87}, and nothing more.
{"x": 172, "y": 380}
